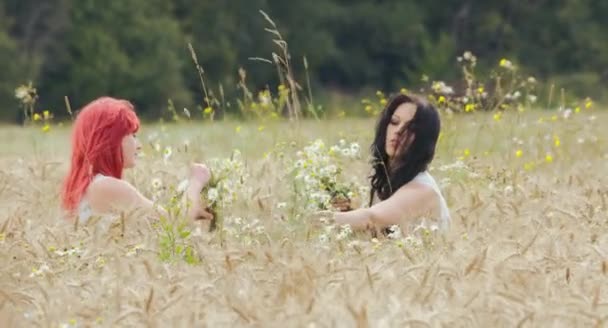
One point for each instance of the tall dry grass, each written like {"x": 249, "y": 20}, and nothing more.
{"x": 528, "y": 246}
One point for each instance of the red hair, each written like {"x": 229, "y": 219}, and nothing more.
{"x": 97, "y": 145}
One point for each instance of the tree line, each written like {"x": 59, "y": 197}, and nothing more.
{"x": 138, "y": 49}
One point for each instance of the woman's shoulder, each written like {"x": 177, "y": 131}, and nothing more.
{"x": 103, "y": 182}
{"x": 105, "y": 188}
{"x": 416, "y": 190}
{"x": 424, "y": 177}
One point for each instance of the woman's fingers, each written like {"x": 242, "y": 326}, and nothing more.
{"x": 200, "y": 172}
{"x": 341, "y": 204}
{"x": 205, "y": 214}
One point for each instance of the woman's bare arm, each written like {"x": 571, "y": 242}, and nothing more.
{"x": 408, "y": 202}
{"x": 110, "y": 194}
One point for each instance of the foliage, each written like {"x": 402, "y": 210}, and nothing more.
{"x": 139, "y": 49}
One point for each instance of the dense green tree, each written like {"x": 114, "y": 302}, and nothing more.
{"x": 131, "y": 49}
{"x": 10, "y": 66}
{"x": 138, "y": 49}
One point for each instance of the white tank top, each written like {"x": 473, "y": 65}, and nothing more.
{"x": 425, "y": 178}
{"x": 444, "y": 218}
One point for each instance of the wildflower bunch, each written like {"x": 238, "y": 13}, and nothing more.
{"x": 504, "y": 89}
{"x": 27, "y": 95}
{"x": 228, "y": 176}
{"x": 317, "y": 174}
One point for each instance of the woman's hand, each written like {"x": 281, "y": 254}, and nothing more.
{"x": 200, "y": 173}
{"x": 205, "y": 214}
{"x": 199, "y": 177}
{"x": 341, "y": 203}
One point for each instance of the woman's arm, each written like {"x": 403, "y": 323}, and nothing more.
{"x": 409, "y": 201}
{"x": 199, "y": 177}
{"x": 110, "y": 194}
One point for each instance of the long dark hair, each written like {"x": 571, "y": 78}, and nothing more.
{"x": 412, "y": 157}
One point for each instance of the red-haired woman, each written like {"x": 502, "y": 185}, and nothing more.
{"x": 103, "y": 144}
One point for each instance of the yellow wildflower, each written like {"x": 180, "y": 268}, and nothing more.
{"x": 46, "y": 128}
{"x": 403, "y": 90}
{"x": 237, "y": 129}
{"x": 100, "y": 261}
{"x": 588, "y": 103}
{"x": 208, "y": 110}
{"x": 505, "y": 63}
{"x": 469, "y": 108}
{"x": 261, "y": 128}
{"x": 549, "y": 158}
{"x": 382, "y": 101}
{"x": 480, "y": 90}
{"x": 466, "y": 152}
{"x": 441, "y": 99}
{"x": 577, "y": 109}
{"x": 519, "y": 153}
{"x": 37, "y": 117}
{"x": 497, "y": 116}
{"x": 46, "y": 114}
{"x": 556, "y": 141}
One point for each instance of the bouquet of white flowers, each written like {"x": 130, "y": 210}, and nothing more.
{"x": 318, "y": 179}
{"x": 228, "y": 176}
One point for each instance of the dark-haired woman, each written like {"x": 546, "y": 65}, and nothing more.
{"x": 402, "y": 190}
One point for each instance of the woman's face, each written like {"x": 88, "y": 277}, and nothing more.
{"x": 402, "y": 115}
{"x": 130, "y": 150}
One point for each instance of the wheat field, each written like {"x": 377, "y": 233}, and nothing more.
{"x": 528, "y": 245}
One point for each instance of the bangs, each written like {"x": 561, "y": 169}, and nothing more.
{"x": 132, "y": 122}
{"x": 129, "y": 118}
